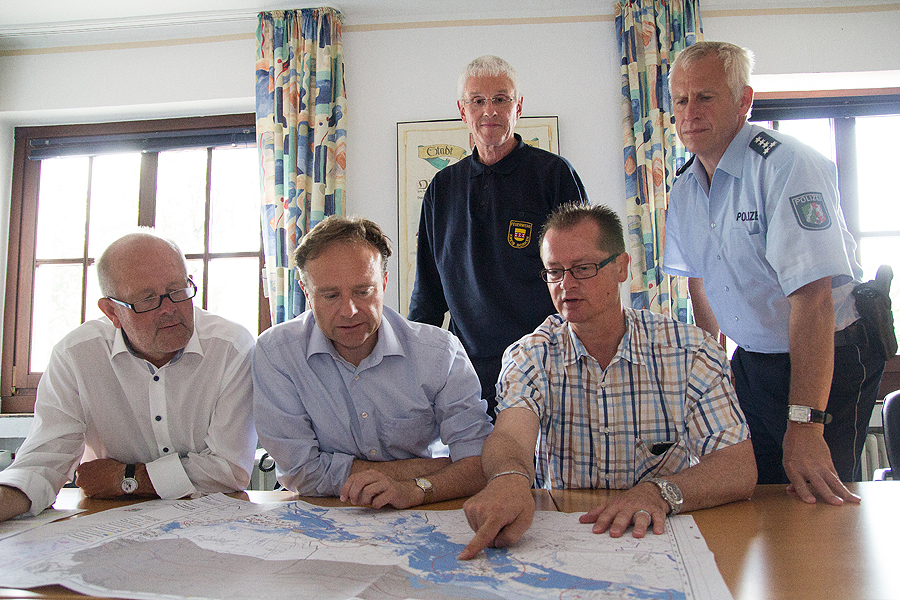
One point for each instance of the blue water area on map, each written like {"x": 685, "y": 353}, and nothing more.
{"x": 433, "y": 554}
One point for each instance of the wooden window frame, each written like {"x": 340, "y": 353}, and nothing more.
{"x": 18, "y": 386}
{"x": 842, "y": 106}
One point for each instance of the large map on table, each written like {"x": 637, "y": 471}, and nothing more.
{"x": 217, "y": 547}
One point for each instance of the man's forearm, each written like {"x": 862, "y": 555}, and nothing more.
{"x": 811, "y": 332}
{"x": 409, "y": 468}
{"x": 704, "y": 318}
{"x": 723, "y": 476}
{"x": 13, "y": 502}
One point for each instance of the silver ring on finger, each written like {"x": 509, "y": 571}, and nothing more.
{"x": 645, "y": 512}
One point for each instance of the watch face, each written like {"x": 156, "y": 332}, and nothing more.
{"x": 129, "y": 485}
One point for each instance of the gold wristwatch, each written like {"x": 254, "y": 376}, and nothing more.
{"x": 426, "y": 487}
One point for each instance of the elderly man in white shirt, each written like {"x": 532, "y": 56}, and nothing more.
{"x": 155, "y": 399}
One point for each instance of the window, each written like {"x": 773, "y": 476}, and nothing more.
{"x": 78, "y": 188}
{"x": 858, "y": 133}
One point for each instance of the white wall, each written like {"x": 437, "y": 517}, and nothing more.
{"x": 404, "y": 74}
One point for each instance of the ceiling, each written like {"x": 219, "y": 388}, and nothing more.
{"x": 19, "y": 16}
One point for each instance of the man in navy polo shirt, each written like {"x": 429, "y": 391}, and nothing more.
{"x": 477, "y": 245}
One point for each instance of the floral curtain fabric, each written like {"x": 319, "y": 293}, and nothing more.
{"x": 650, "y": 34}
{"x": 301, "y": 136}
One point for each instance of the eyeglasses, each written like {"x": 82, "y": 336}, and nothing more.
{"x": 148, "y": 304}
{"x": 585, "y": 271}
{"x": 497, "y": 101}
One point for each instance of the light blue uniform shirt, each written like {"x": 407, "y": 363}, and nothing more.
{"x": 769, "y": 224}
{"x": 316, "y": 412}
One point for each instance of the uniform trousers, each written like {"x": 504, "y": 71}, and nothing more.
{"x": 762, "y": 382}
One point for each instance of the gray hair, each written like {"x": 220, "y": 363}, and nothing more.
{"x": 738, "y": 63}
{"x": 488, "y": 65}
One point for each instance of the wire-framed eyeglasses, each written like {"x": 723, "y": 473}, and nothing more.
{"x": 584, "y": 271}
{"x": 496, "y": 101}
{"x": 148, "y": 304}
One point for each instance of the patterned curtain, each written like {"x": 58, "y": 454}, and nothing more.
{"x": 301, "y": 136}
{"x": 650, "y": 34}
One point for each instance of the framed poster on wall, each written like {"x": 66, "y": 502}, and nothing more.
{"x": 423, "y": 149}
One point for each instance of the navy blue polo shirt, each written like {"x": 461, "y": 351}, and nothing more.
{"x": 478, "y": 254}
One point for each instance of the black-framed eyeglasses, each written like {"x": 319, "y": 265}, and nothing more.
{"x": 585, "y": 271}
{"x": 148, "y": 304}
{"x": 497, "y": 101}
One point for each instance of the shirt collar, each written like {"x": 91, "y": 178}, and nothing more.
{"x": 504, "y": 166}
{"x": 121, "y": 345}
{"x": 387, "y": 344}
{"x": 629, "y": 347}
{"x": 732, "y": 161}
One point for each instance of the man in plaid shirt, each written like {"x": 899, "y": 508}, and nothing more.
{"x": 603, "y": 396}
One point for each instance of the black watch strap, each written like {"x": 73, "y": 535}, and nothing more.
{"x": 129, "y": 471}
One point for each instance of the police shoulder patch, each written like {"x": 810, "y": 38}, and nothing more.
{"x": 763, "y": 144}
{"x": 811, "y": 211}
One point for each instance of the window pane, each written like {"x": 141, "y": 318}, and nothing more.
{"x": 115, "y": 181}
{"x": 877, "y": 251}
{"x": 812, "y": 132}
{"x": 234, "y": 290}
{"x": 181, "y": 198}
{"x": 57, "y": 309}
{"x": 876, "y": 142}
{"x": 61, "y": 207}
{"x": 234, "y": 214}
{"x": 91, "y": 310}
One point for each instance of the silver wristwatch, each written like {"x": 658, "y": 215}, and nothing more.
{"x": 670, "y": 493}
{"x": 807, "y": 414}
{"x": 129, "y": 484}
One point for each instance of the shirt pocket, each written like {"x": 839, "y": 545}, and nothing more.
{"x": 409, "y": 435}
{"x": 672, "y": 459}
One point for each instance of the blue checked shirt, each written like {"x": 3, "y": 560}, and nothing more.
{"x": 664, "y": 400}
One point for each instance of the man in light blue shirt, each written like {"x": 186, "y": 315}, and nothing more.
{"x": 353, "y": 400}
{"x": 755, "y": 222}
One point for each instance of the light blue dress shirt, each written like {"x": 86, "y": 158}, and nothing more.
{"x": 316, "y": 412}
{"x": 769, "y": 223}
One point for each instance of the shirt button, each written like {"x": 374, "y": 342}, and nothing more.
{"x": 158, "y": 417}
{"x": 373, "y": 452}
{"x": 364, "y": 415}
{"x": 355, "y": 378}
{"x": 165, "y": 450}
{"x": 736, "y": 318}
{"x": 156, "y": 378}
{"x": 712, "y": 225}
{"x": 718, "y": 257}
{"x": 727, "y": 289}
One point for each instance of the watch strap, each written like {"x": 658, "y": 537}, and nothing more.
{"x": 130, "y": 471}
{"x": 427, "y": 487}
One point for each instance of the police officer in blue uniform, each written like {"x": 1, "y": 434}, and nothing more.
{"x": 755, "y": 222}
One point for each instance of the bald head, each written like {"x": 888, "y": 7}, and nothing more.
{"x": 133, "y": 248}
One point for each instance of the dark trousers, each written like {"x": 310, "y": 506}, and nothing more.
{"x": 762, "y": 382}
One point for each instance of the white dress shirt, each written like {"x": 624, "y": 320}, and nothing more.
{"x": 189, "y": 421}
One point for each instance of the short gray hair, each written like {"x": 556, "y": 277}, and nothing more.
{"x": 488, "y": 65}
{"x": 738, "y": 63}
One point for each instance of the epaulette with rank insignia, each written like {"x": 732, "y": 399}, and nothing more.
{"x": 685, "y": 166}
{"x": 763, "y": 144}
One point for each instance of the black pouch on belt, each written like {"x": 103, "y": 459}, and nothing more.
{"x": 873, "y": 302}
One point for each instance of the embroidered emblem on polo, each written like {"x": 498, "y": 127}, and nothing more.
{"x": 763, "y": 144}
{"x": 811, "y": 211}
{"x": 519, "y": 234}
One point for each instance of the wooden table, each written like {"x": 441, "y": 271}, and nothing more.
{"x": 767, "y": 548}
